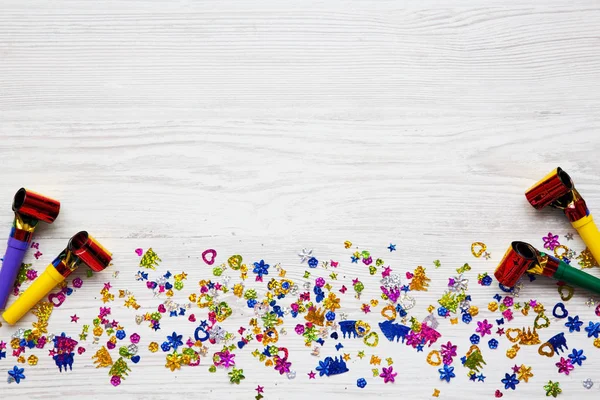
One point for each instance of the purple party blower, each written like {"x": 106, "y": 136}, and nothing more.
{"x": 29, "y": 208}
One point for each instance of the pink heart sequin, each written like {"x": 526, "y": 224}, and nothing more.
{"x": 192, "y": 318}
{"x": 162, "y": 309}
{"x": 212, "y": 254}
{"x": 139, "y": 251}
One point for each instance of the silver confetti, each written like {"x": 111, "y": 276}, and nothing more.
{"x": 291, "y": 374}
{"x": 132, "y": 349}
{"x": 588, "y": 383}
{"x": 407, "y": 302}
{"x": 431, "y": 321}
{"x": 392, "y": 281}
{"x": 305, "y": 255}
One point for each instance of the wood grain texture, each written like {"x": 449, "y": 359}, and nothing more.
{"x": 263, "y": 128}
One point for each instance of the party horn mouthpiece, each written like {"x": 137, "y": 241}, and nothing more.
{"x": 523, "y": 258}
{"x": 82, "y": 249}
{"x": 30, "y": 208}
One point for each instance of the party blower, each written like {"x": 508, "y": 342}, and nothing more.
{"x": 30, "y": 208}
{"x": 523, "y": 258}
{"x": 557, "y": 190}
{"x": 82, "y": 249}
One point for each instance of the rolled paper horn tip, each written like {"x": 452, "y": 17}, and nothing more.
{"x": 35, "y": 205}
{"x": 549, "y": 189}
{"x": 515, "y": 263}
{"x": 525, "y": 250}
{"x": 90, "y": 251}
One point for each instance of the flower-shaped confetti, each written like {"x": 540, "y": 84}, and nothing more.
{"x": 389, "y": 375}
{"x": 564, "y": 366}
{"x": 577, "y": 357}
{"x": 593, "y": 329}
{"x": 550, "y": 241}
{"x": 484, "y": 328}
{"x": 552, "y": 389}
{"x": 16, "y": 374}
{"x": 446, "y": 373}
{"x": 510, "y": 381}
{"x": 574, "y": 324}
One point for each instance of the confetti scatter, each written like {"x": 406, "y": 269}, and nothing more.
{"x": 340, "y": 319}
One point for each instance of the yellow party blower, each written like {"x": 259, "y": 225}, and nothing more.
{"x": 82, "y": 249}
{"x": 557, "y": 190}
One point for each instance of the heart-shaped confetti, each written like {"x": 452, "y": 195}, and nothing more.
{"x": 81, "y": 350}
{"x": 209, "y": 256}
{"x": 546, "y": 350}
{"x": 59, "y": 297}
{"x": 563, "y": 311}
{"x": 110, "y": 345}
{"x": 139, "y": 251}
{"x": 234, "y": 262}
{"x": 498, "y": 393}
{"x": 162, "y": 309}
{"x": 478, "y": 248}
{"x": 409, "y": 275}
{"x": 192, "y": 318}
{"x": 538, "y": 325}
{"x": 135, "y": 359}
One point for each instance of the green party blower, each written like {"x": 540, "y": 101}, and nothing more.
{"x": 523, "y": 258}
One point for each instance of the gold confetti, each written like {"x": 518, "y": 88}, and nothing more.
{"x": 102, "y": 358}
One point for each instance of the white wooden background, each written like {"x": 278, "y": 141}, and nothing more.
{"x": 260, "y": 128}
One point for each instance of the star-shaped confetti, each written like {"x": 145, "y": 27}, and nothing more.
{"x": 392, "y": 247}
{"x": 569, "y": 236}
{"x": 74, "y": 318}
{"x": 311, "y": 375}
